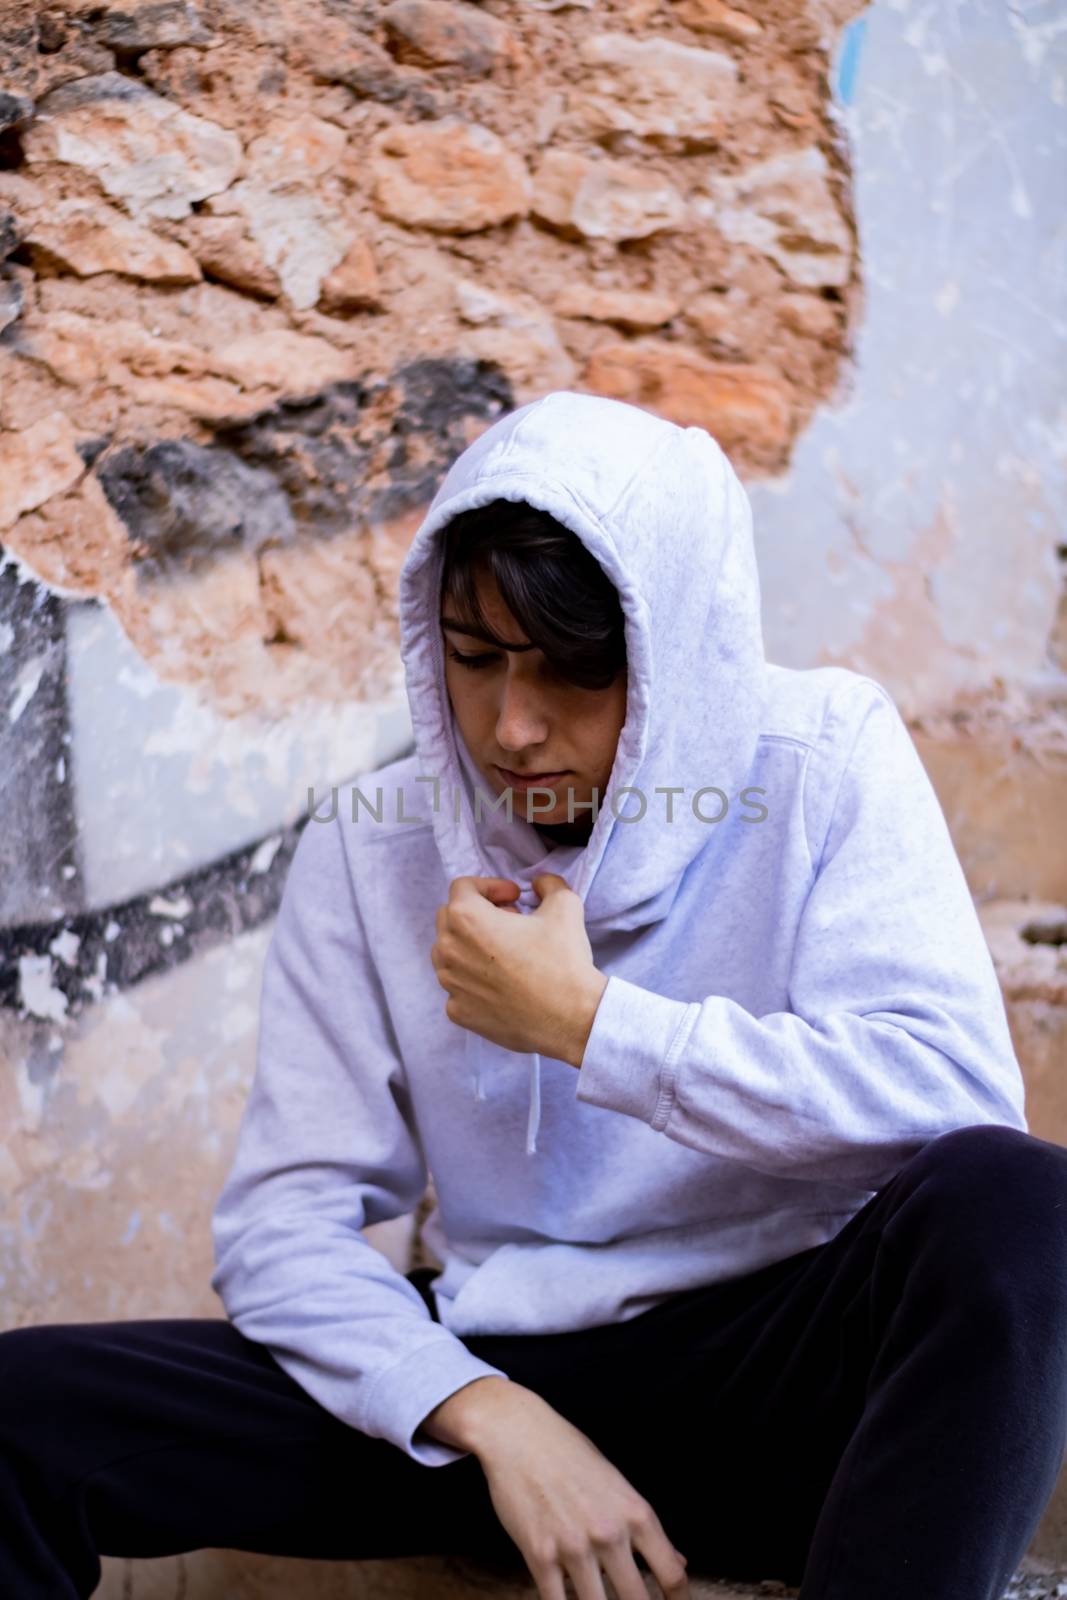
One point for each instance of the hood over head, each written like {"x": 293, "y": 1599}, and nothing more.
{"x": 665, "y": 515}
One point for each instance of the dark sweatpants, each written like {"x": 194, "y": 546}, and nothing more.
{"x": 884, "y": 1415}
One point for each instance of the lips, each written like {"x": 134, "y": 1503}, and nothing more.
{"x": 518, "y": 780}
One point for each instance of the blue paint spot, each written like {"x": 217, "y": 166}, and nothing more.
{"x": 848, "y": 60}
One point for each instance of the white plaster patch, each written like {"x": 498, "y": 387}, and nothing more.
{"x": 65, "y": 945}
{"x": 265, "y": 854}
{"x": 36, "y": 992}
{"x": 95, "y": 983}
{"x": 26, "y": 686}
{"x": 161, "y": 907}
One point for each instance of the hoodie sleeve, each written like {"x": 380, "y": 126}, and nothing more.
{"x": 325, "y": 1148}
{"x": 896, "y": 1030}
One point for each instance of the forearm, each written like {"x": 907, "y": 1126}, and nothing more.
{"x": 470, "y": 1418}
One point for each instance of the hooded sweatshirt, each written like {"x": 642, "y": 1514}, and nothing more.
{"x": 799, "y": 992}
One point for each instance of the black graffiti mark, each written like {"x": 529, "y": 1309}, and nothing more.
{"x": 226, "y": 897}
{"x": 306, "y": 469}
{"x": 39, "y": 860}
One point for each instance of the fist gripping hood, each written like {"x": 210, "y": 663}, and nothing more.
{"x": 664, "y": 513}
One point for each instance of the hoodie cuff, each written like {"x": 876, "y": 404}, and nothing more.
{"x": 408, "y": 1391}
{"x": 632, "y": 1049}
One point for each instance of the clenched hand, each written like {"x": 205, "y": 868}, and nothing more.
{"x": 526, "y": 983}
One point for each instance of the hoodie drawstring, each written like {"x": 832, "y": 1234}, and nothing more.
{"x": 476, "y": 1049}
{"x": 534, "y": 1119}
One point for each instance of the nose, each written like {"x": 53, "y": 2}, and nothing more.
{"x": 521, "y": 720}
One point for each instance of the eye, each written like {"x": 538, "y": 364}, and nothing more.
{"x": 474, "y": 662}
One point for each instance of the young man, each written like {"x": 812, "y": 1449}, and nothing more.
{"x": 748, "y": 1257}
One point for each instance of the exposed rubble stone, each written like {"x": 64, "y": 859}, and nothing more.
{"x": 738, "y": 404}
{"x": 281, "y": 359}
{"x": 658, "y": 88}
{"x": 35, "y": 464}
{"x": 296, "y": 149}
{"x": 516, "y": 332}
{"x": 353, "y": 284}
{"x": 14, "y": 110}
{"x": 86, "y": 237}
{"x": 294, "y": 239}
{"x": 75, "y": 542}
{"x": 808, "y": 315}
{"x": 627, "y": 308}
{"x": 226, "y": 250}
{"x": 440, "y": 33}
{"x": 212, "y": 216}
{"x": 604, "y": 199}
{"x": 713, "y": 16}
{"x": 216, "y": 381}
{"x": 785, "y": 207}
{"x": 333, "y": 53}
{"x": 146, "y": 151}
{"x": 448, "y": 176}
{"x": 164, "y": 24}
{"x": 10, "y": 300}
{"x": 290, "y": 230}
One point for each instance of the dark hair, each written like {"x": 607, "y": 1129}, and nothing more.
{"x": 554, "y": 587}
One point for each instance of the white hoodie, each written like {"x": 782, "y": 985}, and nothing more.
{"x": 800, "y": 995}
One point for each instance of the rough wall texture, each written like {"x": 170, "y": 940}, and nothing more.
{"x": 265, "y": 269}
{"x": 268, "y": 266}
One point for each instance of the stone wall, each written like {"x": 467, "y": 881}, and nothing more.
{"x": 269, "y": 266}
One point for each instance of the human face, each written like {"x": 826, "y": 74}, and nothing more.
{"x": 518, "y": 716}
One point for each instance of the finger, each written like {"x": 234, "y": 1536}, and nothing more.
{"x": 499, "y": 891}
{"x": 548, "y": 1580}
{"x": 440, "y": 975}
{"x": 549, "y": 883}
{"x": 667, "y": 1563}
{"x": 625, "y": 1575}
{"x": 468, "y": 887}
{"x": 588, "y": 1584}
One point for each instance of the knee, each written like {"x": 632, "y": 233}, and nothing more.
{"x": 998, "y": 1199}
{"x": 1002, "y": 1163}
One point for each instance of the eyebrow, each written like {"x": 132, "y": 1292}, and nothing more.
{"x": 480, "y": 633}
